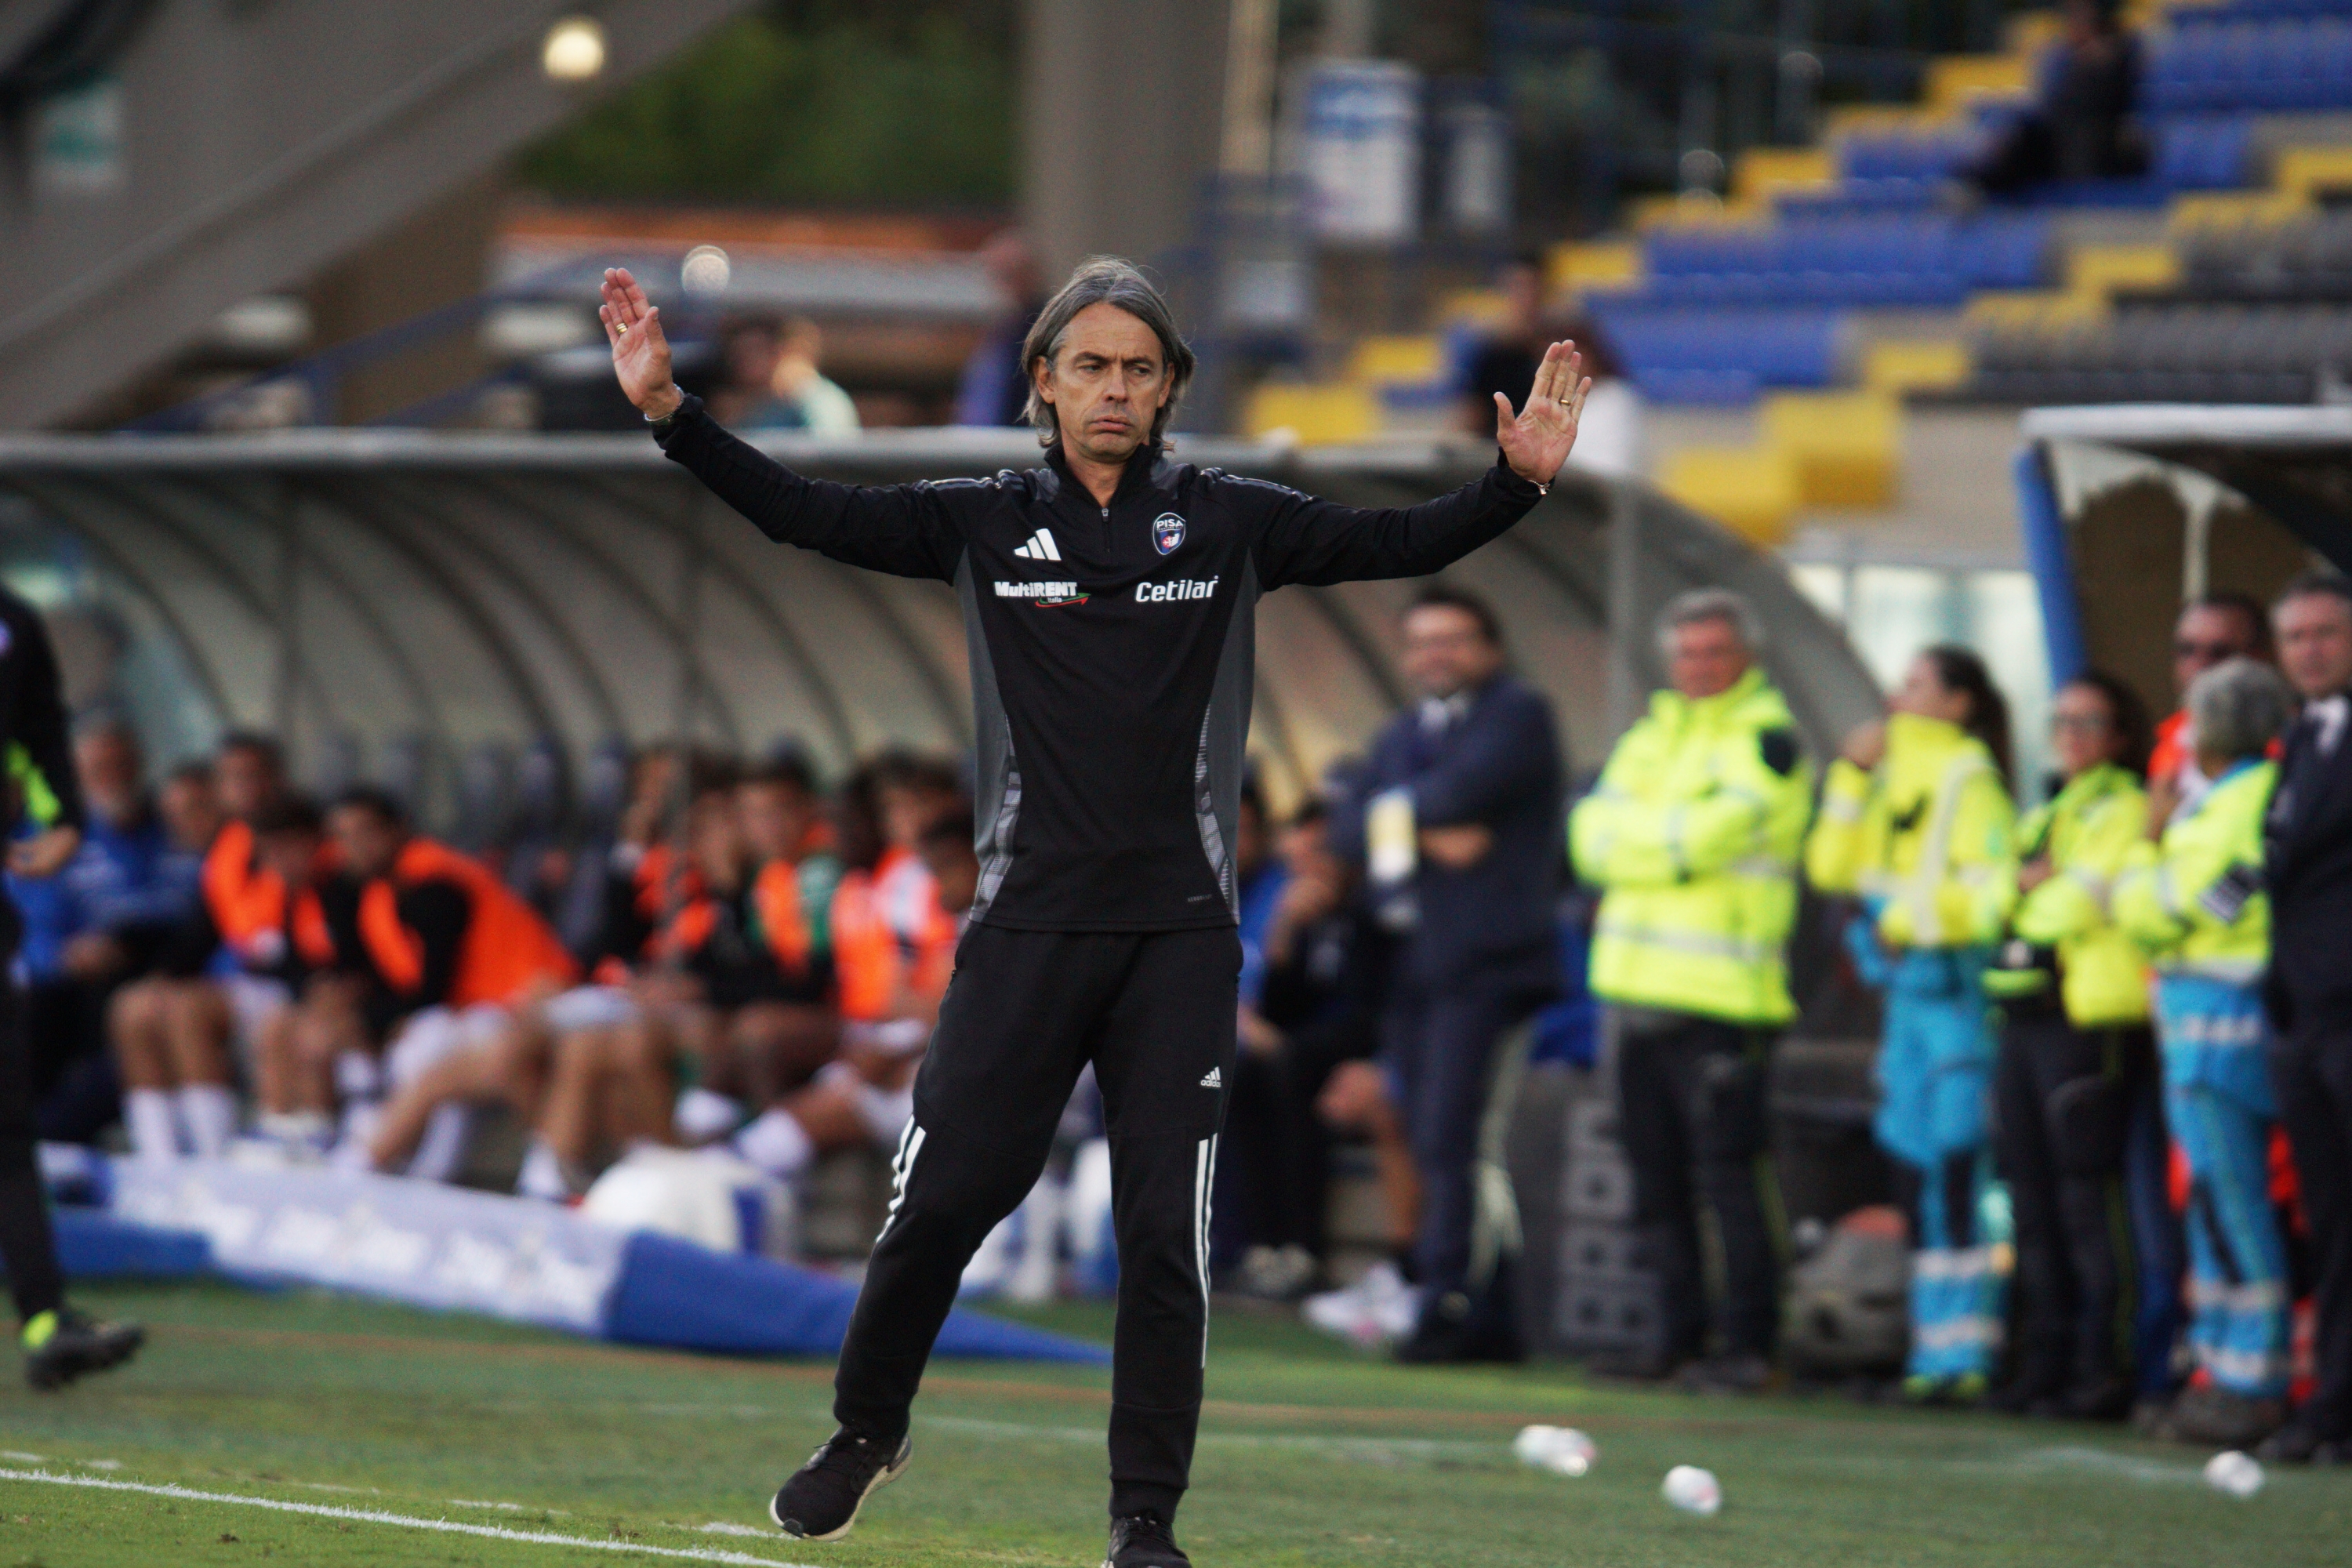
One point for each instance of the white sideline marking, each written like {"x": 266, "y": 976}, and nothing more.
{"x": 405, "y": 1521}
{"x": 22, "y": 1457}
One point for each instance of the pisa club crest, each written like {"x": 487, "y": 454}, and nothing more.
{"x": 1166, "y": 533}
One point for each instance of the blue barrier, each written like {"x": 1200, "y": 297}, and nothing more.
{"x": 510, "y": 1257}
{"x": 94, "y": 1244}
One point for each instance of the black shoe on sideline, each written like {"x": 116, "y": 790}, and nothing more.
{"x": 2108, "y": 1401}
{"x": 64, "y": 1344}
{"x": 821, "y": 1500}
{"x": 1143, "y": 1541}
{"x": 2292, "y": 1444}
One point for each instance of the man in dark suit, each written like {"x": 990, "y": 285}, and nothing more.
{"x": 1457, "y": 821}
{"x": 2307, "y": 853}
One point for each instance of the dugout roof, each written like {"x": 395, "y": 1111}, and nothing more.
{"x": 361, "y": 590}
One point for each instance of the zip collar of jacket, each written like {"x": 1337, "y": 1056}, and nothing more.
{"x": 1142, "y": 466}
{"x": 2096, "y": 782}
{"x": 1671, "y": 706}
{"x": 2229, "y": 775}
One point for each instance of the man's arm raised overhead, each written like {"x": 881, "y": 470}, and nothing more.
{"x": 1303, "y": 540}
{"x": 904, "y": 530}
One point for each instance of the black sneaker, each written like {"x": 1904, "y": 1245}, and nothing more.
{"x": 2292, "y": 1444}
{"x": 1143, "y": 1541}
{"x": 821, "y": 1500}
{"x": 64, "y": 1344}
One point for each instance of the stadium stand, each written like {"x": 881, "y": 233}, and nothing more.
{"x": 1845, "y": 278}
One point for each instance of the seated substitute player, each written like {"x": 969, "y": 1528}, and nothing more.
{"x": 462, "y": 967}
{"x": 1109, "y": 598}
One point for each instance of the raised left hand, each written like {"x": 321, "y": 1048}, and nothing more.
{"x": 1537, "y": 440}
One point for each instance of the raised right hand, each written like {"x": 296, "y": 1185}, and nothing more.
{"x": 640, "y": 351}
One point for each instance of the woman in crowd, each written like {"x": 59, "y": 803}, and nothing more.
{"x": 1916, "y": 820}
{"x": 2195, "y": 903}
{"x": 2074, "y": 1044}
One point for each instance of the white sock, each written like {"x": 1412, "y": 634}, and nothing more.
{"x": 542, "y": 1174}
{"x": 208, "y": 1111}
{"x": 155, "y": 1131}
{"x": 361, "y": 1118}
{"x": 443, "y": 1148}
{"x": 776, "y": 1144}
{"x": 704, "y": 1114}
{"x": 311, "y": 1130}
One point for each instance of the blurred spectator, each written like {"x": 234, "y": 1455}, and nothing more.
{"x": 893, "y": 941}
{"x": 98, "y": 924}
{"x": 180, "y": 1038}
{"x": 222, "y": 974}
{"x": 455, "y": 958}
{"x": 1609, "y": 433}
{"x": 1308, "y": 1001}
{"x": 995, "y": 386}
{"x": 2197, "y": 906}
{"x": 1504, "y": 364}
{"x": 1694, "y": 832}
{"x": 2081, "y": 125}
{"x": 2212, "y": 629}
{"x": 754, "y": 344}
{"x": 1455, "y": 828}
{"x": 1916, "y": 821}
{"x": 799, "y": 397}
{"x": 2308, "y": 871}
{"x": 2075, "y": 1052}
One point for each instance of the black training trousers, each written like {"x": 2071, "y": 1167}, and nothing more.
{"x": 2311, "y": 1068}
{"x": 1690, "y": 1112}
{"x": 2064, "y": 1101}
{"x": 1026, "y": 1011}
{"x": 26, "y": 1241}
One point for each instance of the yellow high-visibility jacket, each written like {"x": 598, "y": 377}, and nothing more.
{"x": 2088, "y": 831}
{"x": 1692, "y": 833}
{"x": 2196, "y": 903}
{"x": 1926, "y": 833}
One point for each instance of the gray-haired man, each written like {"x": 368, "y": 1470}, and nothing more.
{"x": 1108, "y": 601}
{"x": 1692, "y": 834}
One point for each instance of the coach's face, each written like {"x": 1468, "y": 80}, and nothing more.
{"x": 1108, "y": 383}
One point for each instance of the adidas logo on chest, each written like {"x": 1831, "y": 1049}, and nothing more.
{"x": 1039, "y": 546}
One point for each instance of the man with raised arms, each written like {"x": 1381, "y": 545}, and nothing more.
{"x": 1108, "y": 603}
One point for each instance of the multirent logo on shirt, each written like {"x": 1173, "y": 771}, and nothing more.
{"x": 1167, "y": 593}
{"x": 1036, "y": 590}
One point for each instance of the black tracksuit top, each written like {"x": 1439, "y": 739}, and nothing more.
{"x": 1112, "y": 647}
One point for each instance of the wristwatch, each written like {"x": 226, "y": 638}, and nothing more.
{"x": 662, "y": 426}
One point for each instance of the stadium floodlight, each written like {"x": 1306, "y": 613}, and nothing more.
{"x": 574, "y": 50}
{"x": 705, "y": 271}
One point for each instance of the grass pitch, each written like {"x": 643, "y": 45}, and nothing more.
{"x": 389, "y": 1422}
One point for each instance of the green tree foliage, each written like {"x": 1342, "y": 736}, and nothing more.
{"x": 892, "y": 102}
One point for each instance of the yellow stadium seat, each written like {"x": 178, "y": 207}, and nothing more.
{"x": 1895, "y": 367}
{"x": 1570, "y": 268}
{"x": 2098, "y": 270}
{"x": 1954, "y": 82}
{"x": 1751, "y": 490}
{"x": 1398, "y": 360}
{"x": 1761, "y": 171}
{"x": 1847, "y": 447}
{"x": 2307, "y": 174}
{"x": 1314, "y": 414}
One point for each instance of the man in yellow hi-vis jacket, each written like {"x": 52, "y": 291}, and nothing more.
{"x": 1693, "y": 833}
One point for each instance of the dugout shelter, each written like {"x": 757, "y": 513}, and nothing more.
{"x": 409, "y": 600}
{"x": 2129, "y": 511}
